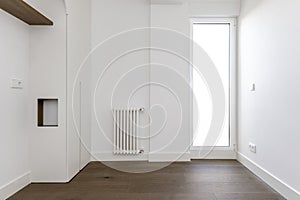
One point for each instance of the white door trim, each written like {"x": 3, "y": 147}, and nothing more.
{"x": 220, "y": 152}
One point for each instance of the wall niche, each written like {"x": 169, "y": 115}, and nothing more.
{"x": 47, "y": 112}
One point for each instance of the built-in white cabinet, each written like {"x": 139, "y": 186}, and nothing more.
{"x": 56, "y": 153}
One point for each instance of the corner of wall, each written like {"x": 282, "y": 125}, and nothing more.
{"x": 277, "y": 184}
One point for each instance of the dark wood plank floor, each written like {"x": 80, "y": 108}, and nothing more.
{"x": 206, "y": 180}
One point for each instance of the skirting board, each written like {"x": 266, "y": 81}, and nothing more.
{"x": 170, "y": 157}
{"x": 213, "y": 154}
{"x": 157, "y": 157}
{"x": 14, "y": 186}
{"x": 107, "y": 156}
{"x": 165, "y": 157}
{"x": 284, "y": 189}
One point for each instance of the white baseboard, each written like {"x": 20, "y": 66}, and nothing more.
{"x": 165, "y": 157}
{"x": 157, "y": 157}
{"x": 77, "y": 172}
{"x": 84, "y": 165}
{"x": 213, "y": 154}
{"x": 108, "y": 156}
{"x": 14, "y": 186}
{"x": 170, "y": 157}
{"x": 281, "y": 187}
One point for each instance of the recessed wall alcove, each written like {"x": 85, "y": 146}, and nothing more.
{"x": 47, "y": 112}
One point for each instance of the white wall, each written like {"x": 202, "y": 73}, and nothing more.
{"x": 14, "y": 63}
{"x": 56, "y": 53}
{"x": 171, "y": 98}
{"x": 48, "y": 74}
{"x": 269, "y": 47}
{"x": 110, "y": 17}
{"x": 38, "y": 56}
{"x": 215, "y": 8}
{"x": 79, "y": 45}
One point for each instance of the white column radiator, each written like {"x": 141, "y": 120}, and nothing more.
{"x": 126, "y": 130}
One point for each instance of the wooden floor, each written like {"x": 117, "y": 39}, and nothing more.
{"x": 184, "y": 181}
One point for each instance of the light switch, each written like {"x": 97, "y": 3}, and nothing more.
{"x": 16, "y": 83}
{"x": 252, "y": 87}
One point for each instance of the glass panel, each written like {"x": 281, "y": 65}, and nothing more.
{"x": 215, "y": 40}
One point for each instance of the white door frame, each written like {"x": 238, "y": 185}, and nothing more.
{"x": 220, "y": 152}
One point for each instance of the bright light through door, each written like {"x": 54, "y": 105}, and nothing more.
{"x": 214, "y": 38}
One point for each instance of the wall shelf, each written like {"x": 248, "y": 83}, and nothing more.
{"x": 24, "y": 12}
